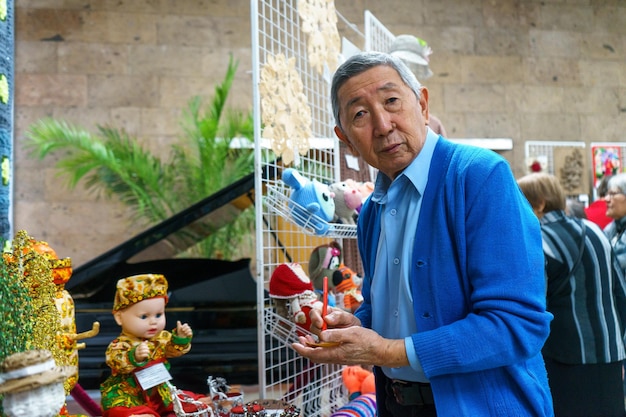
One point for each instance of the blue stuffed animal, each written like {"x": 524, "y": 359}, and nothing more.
{"x": 312, "y": 203}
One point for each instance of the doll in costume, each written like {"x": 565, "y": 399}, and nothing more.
{"x": 139, "y": 308}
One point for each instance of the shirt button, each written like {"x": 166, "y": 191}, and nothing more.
{"x": 395, "y": 313}
{"x": 396, "y": 261}
{"x": 393, "y": 212}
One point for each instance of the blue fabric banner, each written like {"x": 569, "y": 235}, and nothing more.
{"x": 7, "y": 59}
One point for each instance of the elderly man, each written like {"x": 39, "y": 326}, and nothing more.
{"x": 454, "y": 313}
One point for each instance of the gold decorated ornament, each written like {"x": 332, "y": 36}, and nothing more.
{"x": 16, "y": 306}
{"x": 44, "y": 275}
{"x": 286, "y": 115}
{"x": 319, "y": 22}
{"x": 60, "y": 273}
{"x": 37, "y": 275}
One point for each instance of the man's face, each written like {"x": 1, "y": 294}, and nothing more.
{"x": 144, "y": 319}
{"x": 382, "y": 120}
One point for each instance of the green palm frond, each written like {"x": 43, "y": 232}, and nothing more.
{"x": 115, "y": 164}
{"x": 111, "y": 163}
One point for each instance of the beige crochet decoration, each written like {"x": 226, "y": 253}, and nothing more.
{"x": 319, "y": 22}
{"x": 286, "y": 114}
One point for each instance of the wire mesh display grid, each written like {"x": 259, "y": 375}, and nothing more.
{"x": 278, "y": 31}
{"x": 316, "y": 389}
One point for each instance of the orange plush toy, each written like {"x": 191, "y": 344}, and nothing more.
{"x": 348, "y": 286}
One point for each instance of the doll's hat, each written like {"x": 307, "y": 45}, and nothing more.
{"x": 289, "y": 280}
{"x": 136, "y": 288}
{"x": 31, "y": 369}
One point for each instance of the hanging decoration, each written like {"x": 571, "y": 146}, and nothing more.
{"x": 569, "y": 166}
{"x": 537, "y": 164}
{"x": 607, "y": 161}
{"x": 286, "y": 114}
{"x": 319, "y": 22}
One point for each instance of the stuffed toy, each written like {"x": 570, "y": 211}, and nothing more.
{"x": 327, "y": 261}
{"x": 348, "y": 201}
{"x": 293, "y": 294}
{"x": 362, "y": 393}
{"x": 366, "y": 188}
{"x": 311, "y": 202}
{"x": 347, "y": 287}
{"x": 323, "y": 262}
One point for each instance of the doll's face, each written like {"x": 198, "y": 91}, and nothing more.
{"x": 144, "y": 319}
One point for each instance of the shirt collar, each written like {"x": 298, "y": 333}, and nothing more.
{"x": 417, "y": 171}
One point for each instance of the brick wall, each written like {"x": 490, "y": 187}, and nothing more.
{"x": 522, "y": 69}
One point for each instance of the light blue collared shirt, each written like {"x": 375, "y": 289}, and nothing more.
{"x": 392, "y": 303}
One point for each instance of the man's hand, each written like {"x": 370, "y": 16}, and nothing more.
{"x": 335, "y": 319}
{"x": 356, "y": 346}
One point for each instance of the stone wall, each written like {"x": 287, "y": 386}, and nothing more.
{"x": 520, "y": 69}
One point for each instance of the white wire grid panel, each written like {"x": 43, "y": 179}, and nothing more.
{"x": 377, "y": 36}
{"x": 545, "y": 149}
{"x": 316, "y": 389}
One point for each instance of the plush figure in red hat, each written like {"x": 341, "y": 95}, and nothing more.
{"x": 293, "y": 294}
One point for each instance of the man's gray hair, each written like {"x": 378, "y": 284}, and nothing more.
{"x": 362, "y": 62}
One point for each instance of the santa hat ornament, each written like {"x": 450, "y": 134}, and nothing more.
{"x": 289, "y": 280}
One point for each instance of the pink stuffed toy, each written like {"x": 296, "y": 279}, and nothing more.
{"x": 348, "y": 201}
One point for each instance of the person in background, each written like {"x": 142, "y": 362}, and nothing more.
{"x": 575, "y": 208}
{"x": 616, "y": 209}
{"x": 587, "y": 296}
{"x": 415, "y": 53}
{"x": 454, "y": 311}
{"x": 596, "y": 212}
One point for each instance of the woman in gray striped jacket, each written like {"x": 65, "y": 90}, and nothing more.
{"x": 586, "y": 293}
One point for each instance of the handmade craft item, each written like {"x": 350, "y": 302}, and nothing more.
{"x": 32, "y": 384}
{"x": 311, "y": 202}
{"x": 319, "y": 22}
{"x": 138, "y": 357}
{"x": 285, "y": 114}
{"x": 293, "y": 294}
{"x": 348, "y": 201}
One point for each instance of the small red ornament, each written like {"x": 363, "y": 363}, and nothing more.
{"x": 535, "y": 166}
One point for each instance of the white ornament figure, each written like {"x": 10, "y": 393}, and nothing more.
{"x": 32, "y": 384}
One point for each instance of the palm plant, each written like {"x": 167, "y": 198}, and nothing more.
{"x": 115, "y": 164}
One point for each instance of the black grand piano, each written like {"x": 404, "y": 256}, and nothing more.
{"x": 216, "y": 297}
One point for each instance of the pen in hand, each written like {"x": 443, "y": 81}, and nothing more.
{"x": 325, "y": 303}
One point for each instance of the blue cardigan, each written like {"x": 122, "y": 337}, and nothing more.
{"x": 478, "y": 287}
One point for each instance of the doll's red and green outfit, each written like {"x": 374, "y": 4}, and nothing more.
{"x": 121, "y": 394}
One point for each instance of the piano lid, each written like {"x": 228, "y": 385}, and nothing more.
{"x": 153, "y": 250}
